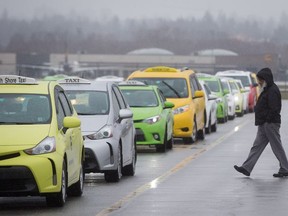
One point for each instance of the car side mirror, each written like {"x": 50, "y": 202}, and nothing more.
{"x": 124, "y": 114}
{"x": 71, "y": 122}
{"x": 226, "y": 91}
{"x": 199, "y": 94}
{"x": 168, "y": 105}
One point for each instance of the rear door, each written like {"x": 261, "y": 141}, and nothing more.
{"x": 126, "y": 126}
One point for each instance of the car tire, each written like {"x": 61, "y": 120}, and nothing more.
{"x": 170, "y": 143}
{"x": 77, "y": 188}
{"x": 129, "y": 170}
{"x": 214, "y": 127}
{"x": 201, "y": 134}
{"x": 208, "y": 129}
{"x": 162, "y": 147}
{"x": 59, "y": 199}
{"x": 115, "y": 175}
{"x": 193, "y": 138}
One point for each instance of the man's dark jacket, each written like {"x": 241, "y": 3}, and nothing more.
{"x": 268, "y": 106}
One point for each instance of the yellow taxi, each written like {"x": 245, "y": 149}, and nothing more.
{"x": 182, "y": 88}
{"x": 41, "y": 145}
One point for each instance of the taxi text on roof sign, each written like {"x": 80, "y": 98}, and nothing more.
{"x": 161, "y": 69}
{"x": 14, "y": 79}
{"x": 132, "y": 83}
{"x": 73, "y": 80}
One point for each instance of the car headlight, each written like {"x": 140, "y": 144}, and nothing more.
{"x": 47, "y": 145}
{"x": 152, "y": 120}
{"x": 236, "y": 98}
{"x": 181, "y": 109}
{"x": 103, "y": 133}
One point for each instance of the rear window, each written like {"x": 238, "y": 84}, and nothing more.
{"x": 25, "y": 109}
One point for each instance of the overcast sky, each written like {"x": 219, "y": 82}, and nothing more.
{"x": 137, "y": 9}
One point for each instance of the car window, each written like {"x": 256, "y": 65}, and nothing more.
{"x": 171, "y": 87}
{"x": 206, "y": 89}
{"x": 89, "y": 102}
{"x": 225, "y": 85}
{"x": 65, "y": 104}
{"x": 162, "y": 97}
{"x": 116, "y": 106}
{"x": 119, "y": 97}
{"x": 25, "y": 109}
{"x": 60, "y": 114}
{"x": 140, "y": 98}
{"x": 233, "y": 86}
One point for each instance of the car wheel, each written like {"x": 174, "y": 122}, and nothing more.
{"x": 162, "y": 147}
{"x": 115, "y": 175}
{"x": 59, "y": 199}
{"x": 129, "y": 170}
{"x": 170, "y": 143}
{"x": 77, "y": 188}
{"x": 193, "y": 138}
{"x": 201, "y": 134}
{"x": 208, "y": 129}
{"x": 214, "y": 127}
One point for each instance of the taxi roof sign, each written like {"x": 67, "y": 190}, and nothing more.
{"x": 161, "y": 69}
{"x": 15, "y": 79}
{"x": 73, "y": 80}
{"x": 131, "y": 83}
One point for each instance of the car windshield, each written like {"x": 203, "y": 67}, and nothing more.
{"x": 213, "y": 85}
{"x": 140, "y": 98}
{"x": 25, "y": 109}
{"x": 89, "y": 102}
{"x": 244, "y": 79}
{"x": 171, "y": 87}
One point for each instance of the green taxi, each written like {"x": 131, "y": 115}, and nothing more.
{"x": 152, "y": 114}
{"x": 41, "y": 145}
{"x": 215, "y": 85}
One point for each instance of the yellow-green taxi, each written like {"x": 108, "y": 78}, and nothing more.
{"x": 41, "y": 145}
{"x": 182, "y": 88}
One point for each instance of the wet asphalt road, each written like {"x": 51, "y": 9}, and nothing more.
{"x": 196, "y": 179}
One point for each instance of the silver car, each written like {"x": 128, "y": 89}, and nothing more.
{"x": 107, "y": 127}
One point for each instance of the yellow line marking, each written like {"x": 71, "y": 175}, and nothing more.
{"x": 117, "y": 205}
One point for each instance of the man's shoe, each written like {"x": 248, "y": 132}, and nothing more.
{"x": 242, "y": 170}
{"x": 280, "y": 175}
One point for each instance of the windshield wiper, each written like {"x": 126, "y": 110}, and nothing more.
{"x": 170, "y": 87}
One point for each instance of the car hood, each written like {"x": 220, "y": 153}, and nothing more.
{"x": 92, "y": 123}
{"x": 140, "y": 113}
{"x": 179, "y": 102}
{"x": 20, "y": 137}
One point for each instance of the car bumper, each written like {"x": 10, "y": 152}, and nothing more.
{"x": 22, "y": 174}
{"x": 100, "y": 155}
{"x": 183, "y": 124}
{"x": 150, "y": 134}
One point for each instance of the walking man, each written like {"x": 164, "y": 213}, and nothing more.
{"x": 268, "y": 120}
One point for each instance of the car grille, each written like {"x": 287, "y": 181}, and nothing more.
{"x": 139, "y": 135}
{"x": 17, "y": 181}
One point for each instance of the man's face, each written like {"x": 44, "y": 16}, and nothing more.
{"x": 260, "y": 81}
